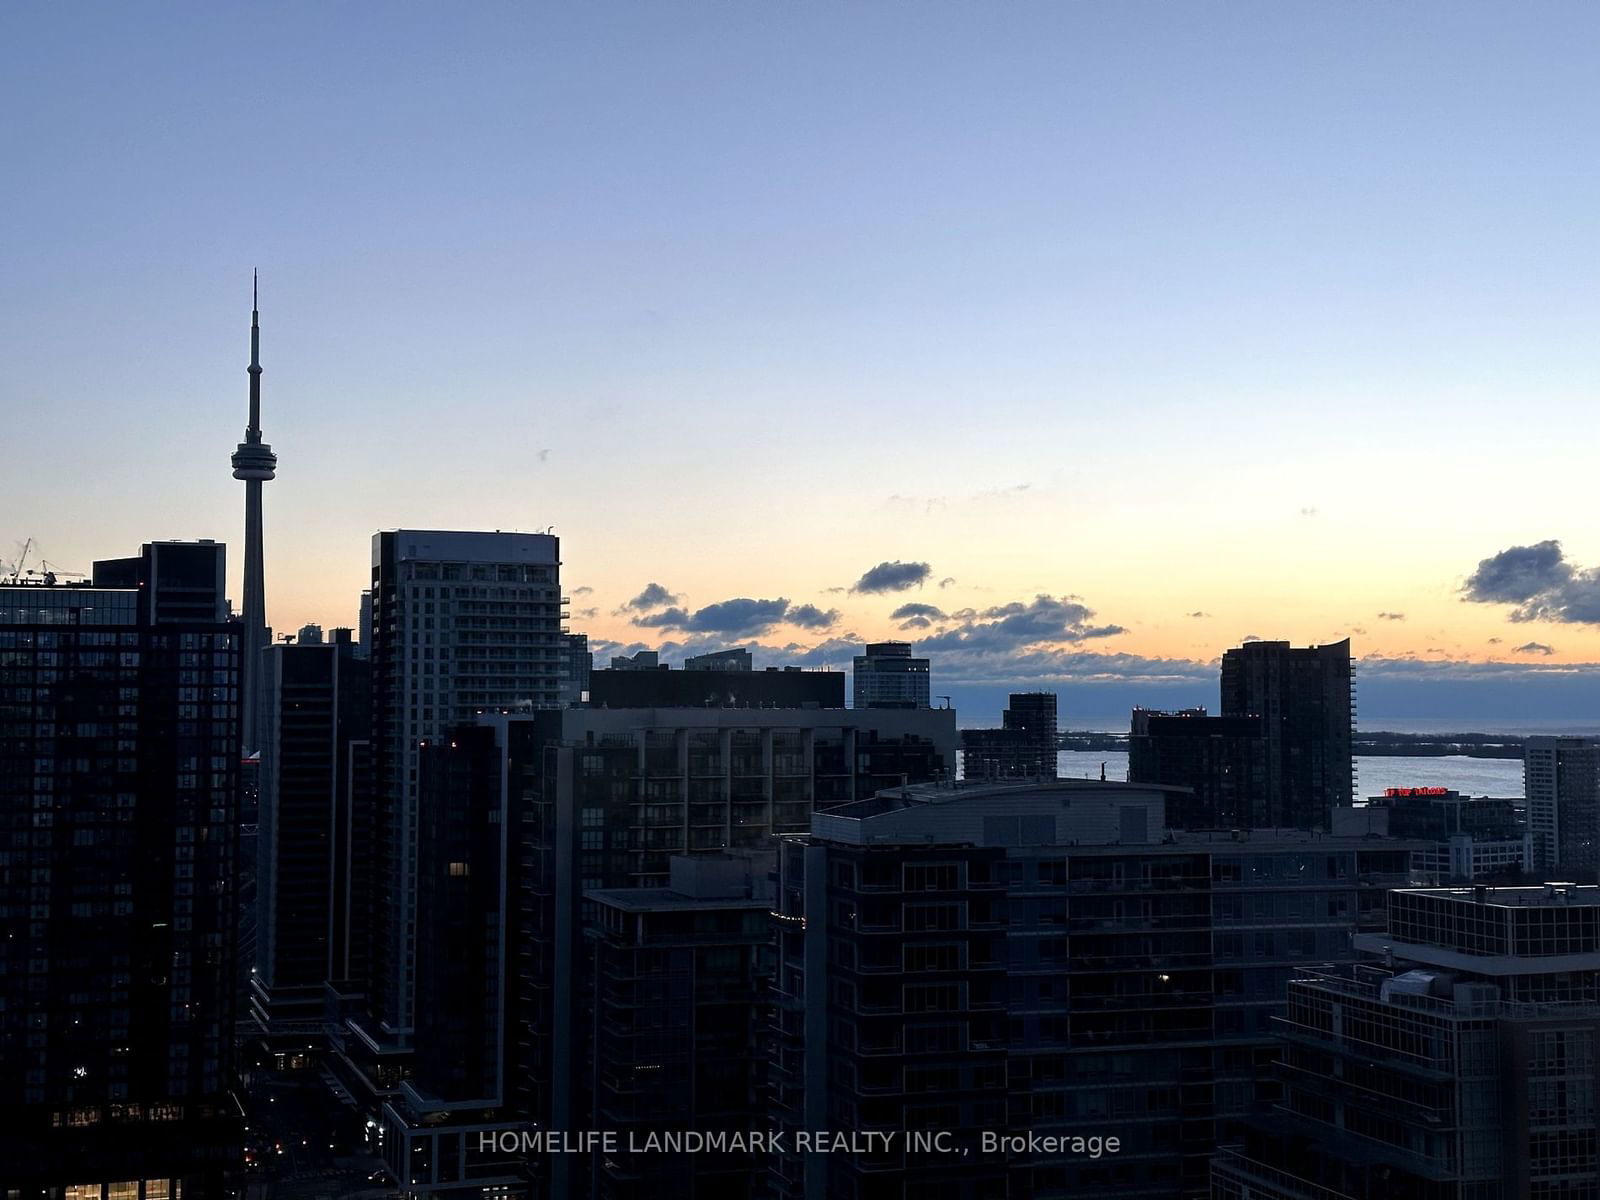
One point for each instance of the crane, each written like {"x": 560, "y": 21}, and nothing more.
{"x": 22, "y": 558}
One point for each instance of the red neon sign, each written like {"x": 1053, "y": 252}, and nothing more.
{"x": 1427, "y": 791}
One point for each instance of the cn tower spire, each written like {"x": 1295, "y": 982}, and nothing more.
{"x": 255, "y": 463}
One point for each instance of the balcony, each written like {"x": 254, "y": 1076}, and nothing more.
{"x": 1253, "y": 1178}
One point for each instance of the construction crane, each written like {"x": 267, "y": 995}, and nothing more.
{"x": 22, "y": 558}
{"x": 946, "y": 700}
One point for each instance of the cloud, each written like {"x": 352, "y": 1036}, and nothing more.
{"x": 926, "y": 503}
{"x": 1003, "y": 493}
{"x": 1535, "y": 648}
{"x": 588, "y": 614}
{"x": 927, "y": 611}
{"x": 947, "y": 581}
{"x": 1198, "y": 615}
{"x": 1308, "y": 511}
{"x": 1540, "y": 581}
{"x": 582, "y": 591}
{"x": 737, "y": 617}
{"x": 1045, "y": 665}
{"x": 654, "y": 596}
{"x": 892, "y": 577}
{"x": 809, "y": 616}
{"x": 1391, "y": 616}
{"x": 1495, "y": 641}
{"x": 740, "y": 617}
{"x": 1249, "y": 637}
{"x": 665, "y": 619}
{"x": 1006, "y": 627}
{"x": 544, "y": 456}
{"x": 916, "y": 623}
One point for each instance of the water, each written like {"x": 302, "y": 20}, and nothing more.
{"x": 1469, "y": 776}
{"x": 1512, "y": 726}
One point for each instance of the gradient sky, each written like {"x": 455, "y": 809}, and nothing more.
{"x": 1279, "y": 313}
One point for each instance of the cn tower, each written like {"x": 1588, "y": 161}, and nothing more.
{"x": 255, "y": 463}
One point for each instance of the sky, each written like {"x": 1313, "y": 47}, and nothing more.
{"x": 1119, "y": 332}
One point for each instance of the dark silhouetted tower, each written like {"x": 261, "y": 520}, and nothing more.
{"x": 1303, "y": 699}
{"x": 255, "y": 463}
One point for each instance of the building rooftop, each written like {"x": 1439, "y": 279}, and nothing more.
{"x": 920, "y": 795}
{"x": 667, "y": 900}
{"x": 1547, "y": 895}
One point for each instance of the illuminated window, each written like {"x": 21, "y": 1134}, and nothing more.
{"x": 458, "y": 868}
{"x": 82, "y": 1191}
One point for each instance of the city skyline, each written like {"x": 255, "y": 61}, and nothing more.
{"x": 1228, "y": 358}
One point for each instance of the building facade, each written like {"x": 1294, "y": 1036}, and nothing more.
{"x": 1024, "y": 747}
{"x": 1459, "y": 1064}
{"x": 1220, "y": 762}
{"x": 1041, "y": 959}
{"x": 462, "y": 623}
{"x": 1470, "y": 838}
{"x": 1304, "y": 699}
{"x": 681, "y": 988}
{"x": 710, "y": 686}
{"x": 597, "y": 800}
{"x": 119, "y": 792}
{"x": 887, "y": 676}
{"x": 579, "y": 666}
{"x": 1561, "y": 779}
{"x": 315, "y": 792}
{"x": 737, "y": 659}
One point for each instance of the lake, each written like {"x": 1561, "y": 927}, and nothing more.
{"x": 1470, "y": 776}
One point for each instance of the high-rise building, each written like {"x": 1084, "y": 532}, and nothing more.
{"x": 886, "y": 676}
{"x": 681, "y": 979}
{"x": 1460, "y": 1064}
{"x": 364, "y": 625}
{"x": 1041, "y": 960}
{"x": 315, "y": 785}
{"x": 254, "y": 463}
{"x": 1220, "y": 762}
{"x": 1024, "y": 747}
{"x": 1561, "y": 779}
{"x": 463, "y": 623}
{"x": 587, "y": 800}
{"x": 1304, "y": 701}
{"x": 119, "y": 793}
{"x": 579, "y": 666}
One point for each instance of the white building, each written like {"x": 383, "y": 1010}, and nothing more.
{"x": 1561, "y": 779}
{"x": 463, "y": 623}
